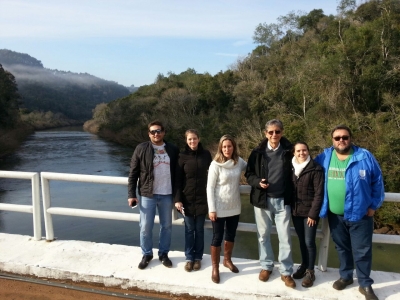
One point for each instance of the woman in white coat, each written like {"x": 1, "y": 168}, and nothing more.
{"x": 224, "y": 205}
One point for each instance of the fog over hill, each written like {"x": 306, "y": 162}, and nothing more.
{"x": 73, "y": 94}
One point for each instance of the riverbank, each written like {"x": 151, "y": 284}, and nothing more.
{"x": 11, "y": 139}
{"x": 116, "y": 266}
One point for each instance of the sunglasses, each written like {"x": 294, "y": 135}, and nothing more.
{"x": 153, "y": 132}
{"x": 344, "y": 138}
{"x": 272, "y": 132}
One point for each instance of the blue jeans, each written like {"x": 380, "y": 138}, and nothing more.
{"x": 230, "y": 224}
{"x": 194, "y": 237}
{"x": 353, "y": 242}
{"x": 278, "y": 211}
{"x": 306, "y": 236}
{"x": 147, "y": 207}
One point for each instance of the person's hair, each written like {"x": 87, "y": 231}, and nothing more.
{"x": 219, "y": 156}
{"x": 194, "y": 131}
{"x": 300, "y": 143}
{"x": 274, "y": 122}
{"x": 156, "y": 122}
{"x": 342, "y": 127}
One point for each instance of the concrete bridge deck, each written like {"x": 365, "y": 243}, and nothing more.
{"x": 116, "y": 265}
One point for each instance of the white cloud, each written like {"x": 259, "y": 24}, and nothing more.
{"x": 88, "y": 18}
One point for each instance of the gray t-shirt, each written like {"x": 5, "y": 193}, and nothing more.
{"x": 162, "y": 171}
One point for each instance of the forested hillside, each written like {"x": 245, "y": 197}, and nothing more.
{"x": 12, "y": 130}
{"x": 59, "y": 92}
{"x": 310, "y": 70}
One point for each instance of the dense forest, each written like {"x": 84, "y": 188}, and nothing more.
{"x": 61, "y": 94}
{"x": 12, "y": 129}
{"x": 313, "y": 71}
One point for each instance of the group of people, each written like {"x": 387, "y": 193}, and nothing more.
{"x": 344, "y": 184}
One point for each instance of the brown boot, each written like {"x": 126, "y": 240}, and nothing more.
{"x": 228, "y": 248}
{"x": 215, "y": 257}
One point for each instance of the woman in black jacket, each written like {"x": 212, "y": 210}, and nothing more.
{"x": 191, "y": 196}
{"x": 308, "y": 181}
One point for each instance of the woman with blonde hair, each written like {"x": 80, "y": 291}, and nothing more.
{"x": 224, "y": 205}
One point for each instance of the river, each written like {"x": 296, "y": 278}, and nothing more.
{"x": 72, "y": 150}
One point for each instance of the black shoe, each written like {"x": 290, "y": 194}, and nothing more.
{"x": 341, "y": 283}
{"x": 301, "y": 271}
{"x": 145, "y": 261}
{"x": 309, "y": 279}
{"x": 165, "y": 260}
{"x": 368, "y": 292}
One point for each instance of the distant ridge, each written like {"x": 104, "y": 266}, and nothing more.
{"x": 74, "y": 95}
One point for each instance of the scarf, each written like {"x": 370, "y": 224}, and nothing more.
{"x": 298, "y": 167}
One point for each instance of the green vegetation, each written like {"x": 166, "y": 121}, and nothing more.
{"x": 45, "y": 120}
{"x": 12, "y": 130}
{"x": 9, "y": 99}
{"x": 312, "y": 71}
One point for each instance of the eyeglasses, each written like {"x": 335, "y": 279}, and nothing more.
{"x": 153, "y": 132}
{"x": 344, "y": 138}
{"x": 272, "y": 132}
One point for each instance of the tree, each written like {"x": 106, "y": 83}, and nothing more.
{"x": 9, "y": 99}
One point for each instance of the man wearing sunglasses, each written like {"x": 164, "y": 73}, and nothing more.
{"x": 152, "y": 172}
{"x": 268, "y": 173}
{"x": 353, "y": 191}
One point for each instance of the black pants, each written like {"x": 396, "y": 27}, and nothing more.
{"x": 306, "y": 236}
{"x": 219, "y": 229}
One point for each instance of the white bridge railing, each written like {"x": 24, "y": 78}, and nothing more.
{"x": 33, "y": 209}
{"x": 48, "y": 210}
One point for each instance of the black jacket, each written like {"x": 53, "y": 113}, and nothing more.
{"x": 142, "y": 169}
{"x": 256, "y": 166}
{"x": 191, "y": 180}
{"x": 308, "y": 191}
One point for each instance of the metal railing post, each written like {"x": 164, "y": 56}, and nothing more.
{"x": 324, "y": 246}
{"x": 48, "y": 220}
{"x": 37, "y": 223}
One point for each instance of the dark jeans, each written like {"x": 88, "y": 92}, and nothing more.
{"x": 194, "y": 237}
{"x": 218, "y": 230}
{"x": 306, "y": 236}
{"x": 353, "y": 242}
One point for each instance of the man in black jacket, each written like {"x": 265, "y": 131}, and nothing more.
{"x": 269, "y": 175}
{"x": 153, "y": 166}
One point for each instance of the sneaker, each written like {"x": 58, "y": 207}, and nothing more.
{"x": 165, "y": 260}
{"x": 341, "y": 283}
{"x": 309, "y": 279}
{"x": 145, "y": 261}
{"x": 197, "y": 265}
{"x": 289, "y": 282}
{"x": 368, "y": 292}
{"x": 301, "y": 271}
{"x": 189, "y": 266}
{"x": 264, "y": 275}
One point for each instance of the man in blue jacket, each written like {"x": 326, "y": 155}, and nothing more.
{"x": 353, "y": 191}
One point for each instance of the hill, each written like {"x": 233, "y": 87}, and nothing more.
{"x": 74, "y": 95}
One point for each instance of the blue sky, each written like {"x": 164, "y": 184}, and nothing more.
{"x": 132, "y": 41}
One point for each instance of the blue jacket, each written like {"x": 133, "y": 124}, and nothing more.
{"x": 364, "y": 183}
